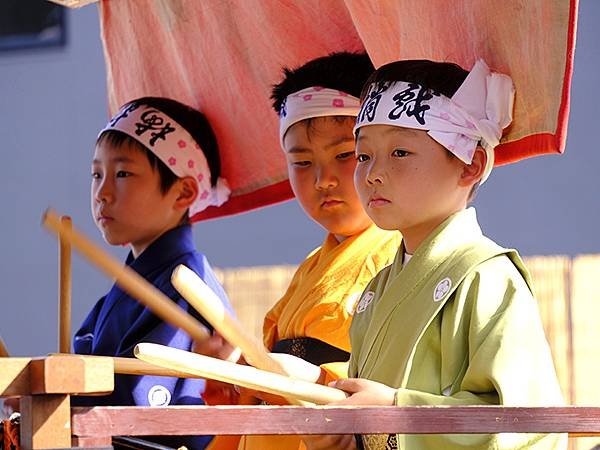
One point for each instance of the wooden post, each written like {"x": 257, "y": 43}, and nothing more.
{"x": 45, "y": 421}
{"x": 45, "y": 386}
{"x": 64, "y": 290}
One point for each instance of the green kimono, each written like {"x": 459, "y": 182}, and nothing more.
{"x": 458, "y": 325}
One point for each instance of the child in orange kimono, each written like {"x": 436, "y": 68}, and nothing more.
{"x": 317, "y": 105}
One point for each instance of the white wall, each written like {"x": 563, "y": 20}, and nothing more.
{"x": 53, "y": 101}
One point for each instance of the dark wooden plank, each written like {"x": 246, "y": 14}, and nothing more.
{"x": 95, "y": 442}
{"x": 225, "y": 420}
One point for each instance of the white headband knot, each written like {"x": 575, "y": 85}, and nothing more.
{"x": 478, "y": 112}
{"x": 174, "y": 146}
{"x": 312, "y": 102}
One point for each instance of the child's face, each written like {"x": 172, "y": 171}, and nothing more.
{"x": 406, "y": 180}
{"x": 321, "y": 167}
{"x": 127, "y": 204}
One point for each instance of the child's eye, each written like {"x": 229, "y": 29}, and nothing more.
{"x": 344, "y": 155}
{"x": 362, "y": 157}
{"x": 301, "y": 163}
{"x": 96, "y": 175}
{"x": 123, "y": 174}
{"x": 399, "y": 153}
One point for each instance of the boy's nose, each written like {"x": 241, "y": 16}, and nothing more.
{"x": 374, "y": 175}
{"x": 325, "y": 180}
{"x": 103, "y": 193}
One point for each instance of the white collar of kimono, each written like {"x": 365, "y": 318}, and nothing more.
{"x": 476, "y": 113}
{"x": 174, "y": 146}
{"x": 312, "y": 102}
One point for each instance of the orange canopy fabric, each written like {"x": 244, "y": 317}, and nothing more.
{"x": 223, "y": 56}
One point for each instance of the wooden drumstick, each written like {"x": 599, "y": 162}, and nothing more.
{"x": 228, "y": 372}
{"x": 129, "y": 280}
{"x": 205, "y": 301}
{"x": 3, "y": 350}
{"x": 133, "y": 366}
{"x": 64, "y": 291}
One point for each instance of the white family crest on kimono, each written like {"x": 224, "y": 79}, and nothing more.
{"x": 365, "y": 301}
{"x": 159, "y": 395}
{"x": 442, "y": 288}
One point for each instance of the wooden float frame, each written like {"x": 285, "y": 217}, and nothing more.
{"x": 48, "y": 422}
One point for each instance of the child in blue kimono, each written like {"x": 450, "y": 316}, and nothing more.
{"x": 156, "y": 164}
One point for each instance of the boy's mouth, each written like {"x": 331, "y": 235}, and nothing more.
{"x": 103, "y": 219}
{"x": 377, "y": 202}
{"x": 330, "y": 203}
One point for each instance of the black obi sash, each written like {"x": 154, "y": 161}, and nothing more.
{"x": 312, "y": 350}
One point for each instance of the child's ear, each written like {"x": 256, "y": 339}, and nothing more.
{"x": 473, "y": 172}
{"x": 187, "y": 193}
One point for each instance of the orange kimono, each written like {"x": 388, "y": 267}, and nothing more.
{"x": 319, "y": 305}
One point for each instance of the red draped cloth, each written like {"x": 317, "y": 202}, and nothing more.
{"x": 223, "y": 56}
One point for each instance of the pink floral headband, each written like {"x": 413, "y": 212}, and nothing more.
{"x": 315, "y": 102}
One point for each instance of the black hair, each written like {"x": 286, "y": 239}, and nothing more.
{"x": 192, "y": 120}
{"x": 344, "y": 71}
{"x": 441, "y": 77}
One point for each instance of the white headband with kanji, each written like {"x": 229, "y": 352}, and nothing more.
{"x": 174, "y": 146}
{"x": 477, "y": 113}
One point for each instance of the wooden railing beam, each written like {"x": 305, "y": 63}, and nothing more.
{"x": 232, "y": 420}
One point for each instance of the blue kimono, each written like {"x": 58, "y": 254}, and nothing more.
{"x": 118, "y": 322}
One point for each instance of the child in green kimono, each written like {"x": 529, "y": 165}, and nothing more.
{"x": 453, "y": 320}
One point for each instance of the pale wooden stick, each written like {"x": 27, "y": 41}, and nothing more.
{"x": 228, "y": 372}
{"x": 3, "y": 350}
{"x": 133, "y": 366}
{"x": 205, "y": 301}
{"x": 134, "y": 284}
{"x": 64, "y": 290}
